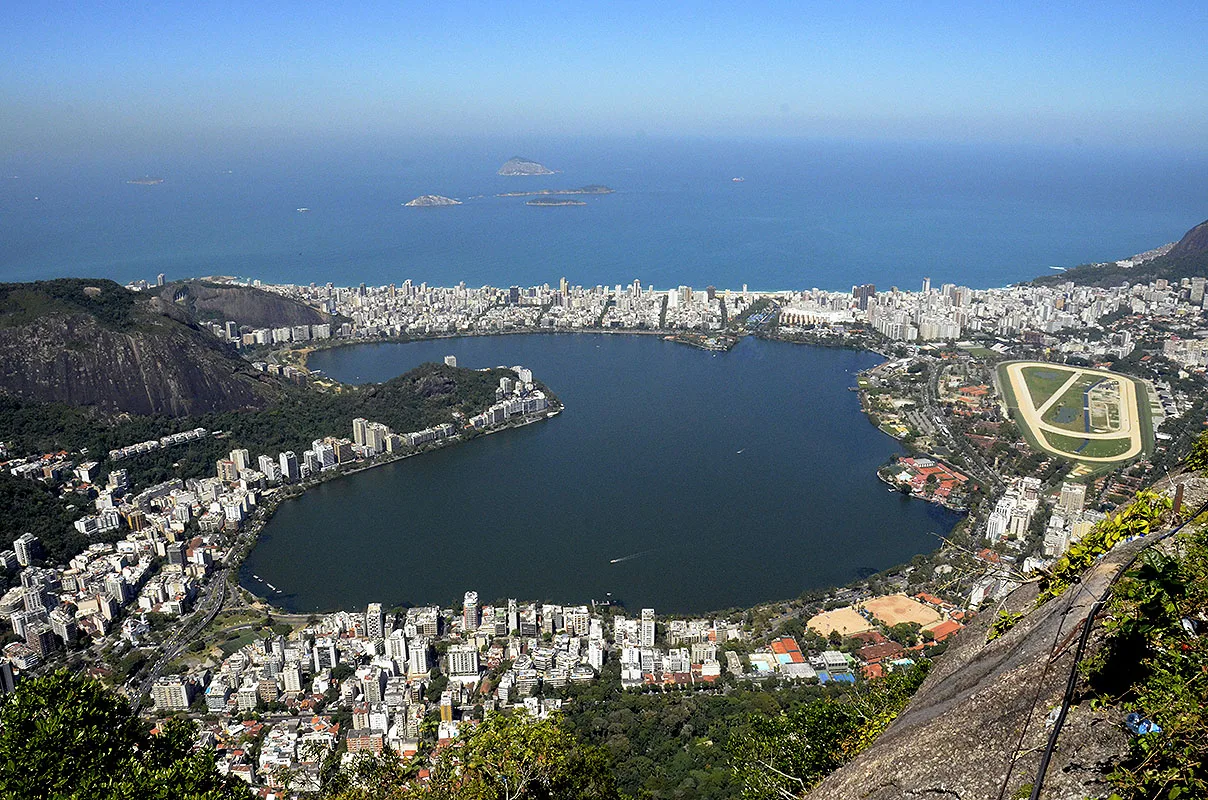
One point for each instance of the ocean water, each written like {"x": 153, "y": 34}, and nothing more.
{"x": 675, "y": 478}
{"x": 808, "y": 214}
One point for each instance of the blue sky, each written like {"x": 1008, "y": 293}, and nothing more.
{"x": 82, "y": 76}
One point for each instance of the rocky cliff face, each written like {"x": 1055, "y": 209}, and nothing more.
{"x": 245, "y": 305}
{"x": 976, "y": 728}
{"x": 117, "y": 352}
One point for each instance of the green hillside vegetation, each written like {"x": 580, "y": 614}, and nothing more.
{"x": 784, "y": 756}
{"x": 679, "y": 744}
{"x": 63, "y": 736}
{"x": 426, "y": 396}
{"x": 1188, "y": 259}
{"x": 506, "y": 757}
{"x": 1154, "y": 665}
{"x": 30, "y": 507}
{"x": 113, "y": 306}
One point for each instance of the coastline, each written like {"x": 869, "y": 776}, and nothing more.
{"x": 332, "y": 344}
{"x": 380, "y": 461}
{"x": 854, "y": 584}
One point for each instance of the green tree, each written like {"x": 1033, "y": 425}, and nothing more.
{"x": 506, "y": 757}
{"x": 512, "y": 756}
{"x": 783, "y": 756}
{"x": 1197, "y": 459}
{"x": 65, "y": 736}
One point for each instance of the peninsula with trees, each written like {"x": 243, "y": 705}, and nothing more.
{"x": 592, "y": 189}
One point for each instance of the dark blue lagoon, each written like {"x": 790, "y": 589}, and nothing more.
{"x": 675, "y": 478}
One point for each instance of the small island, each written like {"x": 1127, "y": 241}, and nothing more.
{"x": 548, "y": 202}
{"x": 430, "y": 200}
{"x": 145, "y": 181}
{"x": 593, "y": 189}
{"x": 718, "y": 343}
{"x": 523, "y": 166}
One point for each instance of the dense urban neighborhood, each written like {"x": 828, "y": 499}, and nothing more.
{"x": 152, "y": 603}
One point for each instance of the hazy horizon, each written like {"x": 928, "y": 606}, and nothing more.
{"x": 81, "y": 82}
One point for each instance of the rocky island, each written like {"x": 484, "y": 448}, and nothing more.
{"x": 593, "y": 189}
{"x": 430, "y": 200}
{"x": 145, "y": 181}
{"x": 542, "y": 201}
{"x": 523, "y": 166}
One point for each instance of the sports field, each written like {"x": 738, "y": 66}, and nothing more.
{"x": 1087, "y": 415}
{"x": 897, "y": 608}
{"x": 844, "y": 620}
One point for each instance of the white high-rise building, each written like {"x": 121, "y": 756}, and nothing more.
{"x": 292, "y": 677}
{"x": 647, "y": 627}
{"x": 396, "y": 648}
{"x": 28, "y": 548}
{"x": 418, "y": 662}
{"x": 514, "y": 612}
{"x": 469, "y": 612}
{"x": 1073, "y": 498}
{"x": 242, "y": 459}
{"x": 270, "y": 469}
{"x": 289, "y": 466}
{"x": 463, "y": 660}
{"x": 373, "y": 621}
{"x": 359, "y": 427}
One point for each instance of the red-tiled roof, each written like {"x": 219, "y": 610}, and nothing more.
{"x": 875, "y": 653}
{"x": 945, "y": 629}
{"x": 870, "y": 637}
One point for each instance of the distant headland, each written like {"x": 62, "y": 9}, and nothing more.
{"x": 145, "y": 181}
{"x": 592, "y": 189}
{"x": 545, "y": 201}
{"x": 523, "y": 166}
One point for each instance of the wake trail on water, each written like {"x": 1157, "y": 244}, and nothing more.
{"x": 629, "y": 557}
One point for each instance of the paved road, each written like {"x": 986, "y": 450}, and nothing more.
{"x": 958, "y": 444}
{"x": 207, "y": 607}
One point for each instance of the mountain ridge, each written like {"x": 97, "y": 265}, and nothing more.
{"x": 1187, "y": 258}
{"x": 93, "y": 343}
{"x": 246, "y": 305}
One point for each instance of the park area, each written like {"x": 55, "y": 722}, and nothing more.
{"x": 1091, "y": 416}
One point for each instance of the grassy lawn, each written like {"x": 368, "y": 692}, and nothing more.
{"x": 1095, "y": 448}
{"x": 1067, "y": 412}
{"x": 229, "y": 619}
{"x": 1106, "y": 448}
{"x": 1043, "y": 382}
{"x": 981, "y": 352}
{"x": 247, "y": 637}
{"x": 1066, "y": 444}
